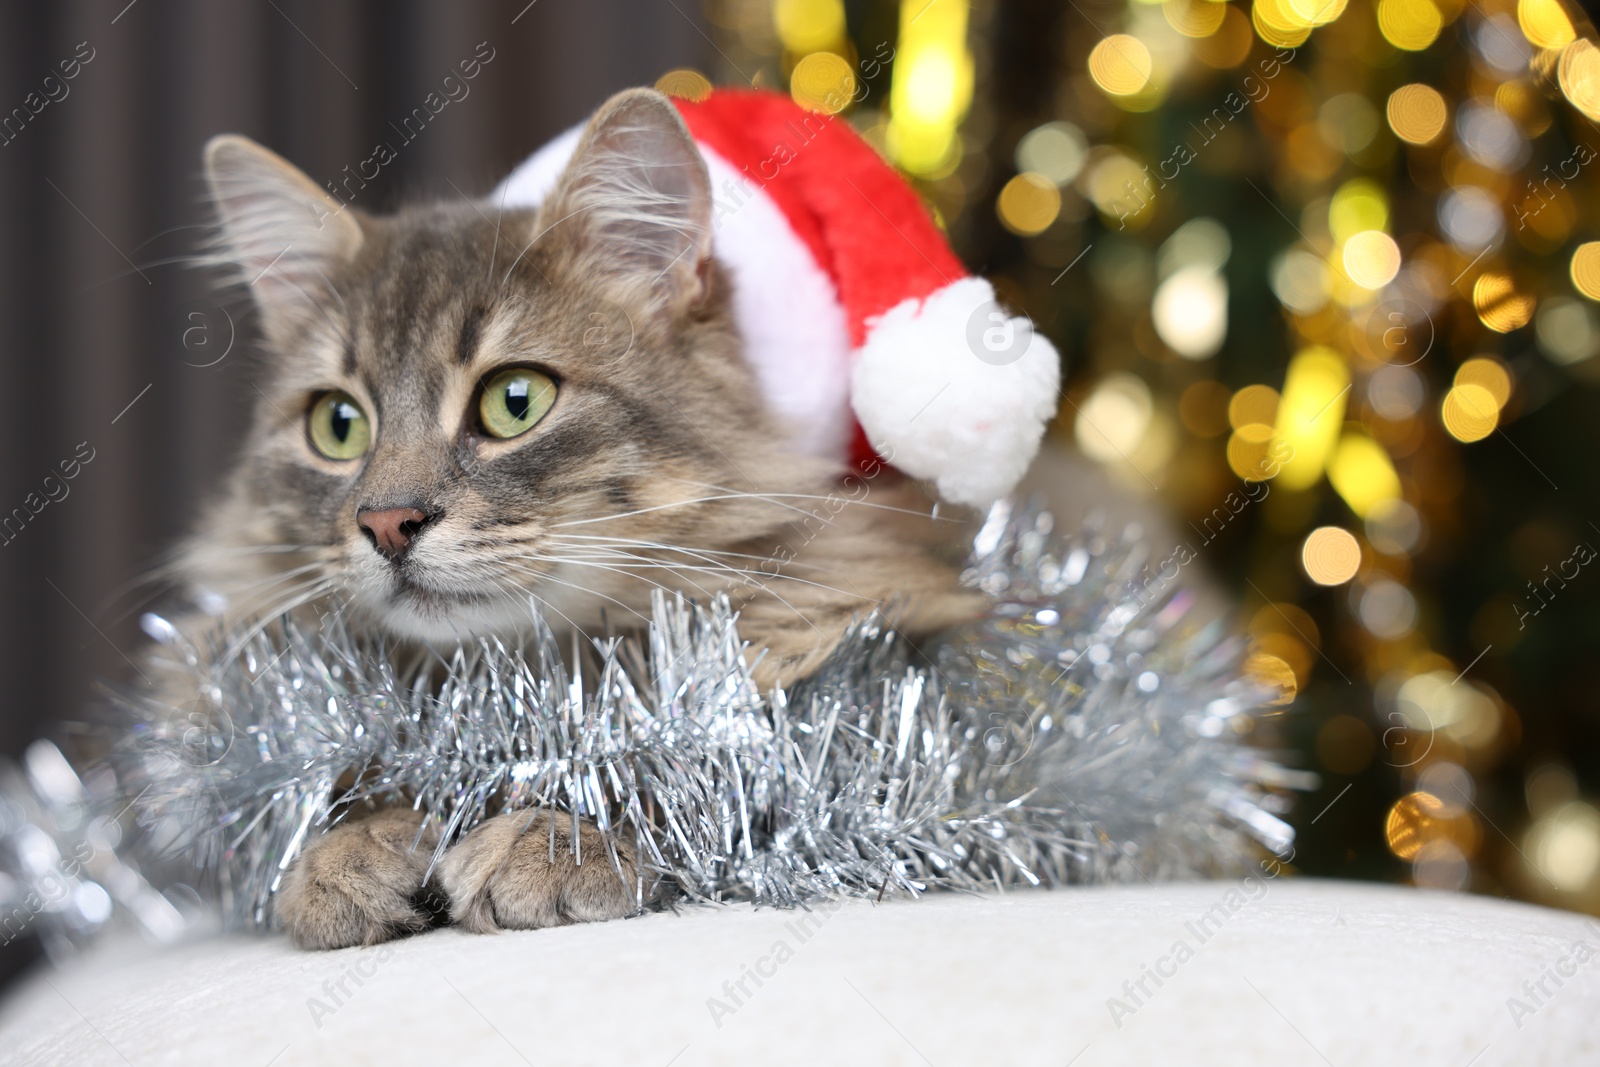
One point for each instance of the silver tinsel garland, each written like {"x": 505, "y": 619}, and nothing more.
{"x": 1085, "y": 729}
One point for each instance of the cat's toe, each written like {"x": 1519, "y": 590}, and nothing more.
{"x": 517, "y": 872}
{"x": 358, "y": 884}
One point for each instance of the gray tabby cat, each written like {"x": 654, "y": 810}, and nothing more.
{"x": 465, "y": 412}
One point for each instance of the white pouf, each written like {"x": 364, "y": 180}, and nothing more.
{"x": 1279, "y": 972}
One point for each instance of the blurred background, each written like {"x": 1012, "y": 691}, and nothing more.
{"x": 1326, "y": 272}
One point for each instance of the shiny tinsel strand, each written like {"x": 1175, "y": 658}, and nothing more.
{"x": 1081, "y": 731}
{"x": 66, "y": 871}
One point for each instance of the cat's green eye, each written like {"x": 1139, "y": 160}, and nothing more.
{"x": 338, "y": 427}
{"x": 514, "y": 400}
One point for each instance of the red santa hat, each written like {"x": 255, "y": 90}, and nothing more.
{"x": 867, "y": 335}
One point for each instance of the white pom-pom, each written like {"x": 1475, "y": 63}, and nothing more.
{"x": 953, "y": 389}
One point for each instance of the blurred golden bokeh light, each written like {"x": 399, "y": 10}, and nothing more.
{"x": 1311, "y": 414}
{"x": 1253, "y": 404}
{"x": 1195, "y": 18}
{"x": 1359, "y": 204}
{"x": 932, "y": 86}
{"x": 1412, "y": 820}
{"x": 1300, "y": 281}
{"x": 1411, "y": 25}
{"x": 1371, "y": 259}
{"x": 806, "y": 26}
{"x": 1120, "y": 64}
{"x": 1568, "y": 330}
{"x": 1116, "y": 184}
{"x": 822, "y": 82}
{"x": 1247, "y": 452}
{"x": 1586, "y": 269}
{"x": 1469, "y": 413}
{"x": 1288, "y": 648}
{"x": 1417, "y": 113}
{"x": 1330, "y": 555}
{"x": 1362, "y": 474}
{"x": 1113, "y": 420}
{"x": 1564, "y": 846}
{"x": 1419, "y": 820}
{"x": 1312, "y": 12}
{"x": 1273, "y": 673}
{"x": 1525, "y": 104}
{"x": 1277, "y": 25}
{"x": 1190, "y": 312}
{"x": 1441, "y": 701}
{"x": 1491, "y": 374}
{"x": 1056, "y": 150}
{"x": 1499, "y": 304}
{"x": 1544, "y": 23}
{"x": 1579, "y": 74}
{"x": 1028, "y": 204}
{"x": 685, "y": 84}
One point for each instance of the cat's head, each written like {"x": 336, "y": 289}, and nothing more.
{"x": 460, "y": 407}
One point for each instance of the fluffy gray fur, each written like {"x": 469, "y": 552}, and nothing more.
{"x": 657, "y": 468}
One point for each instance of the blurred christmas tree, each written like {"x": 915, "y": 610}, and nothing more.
{"x": 1326, "y": 273}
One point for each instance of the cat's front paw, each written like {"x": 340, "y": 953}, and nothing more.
{"x": 508, "y": 874}
{"x": 360, "y": 883}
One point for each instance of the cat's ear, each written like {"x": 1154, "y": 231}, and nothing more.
{"x": 634, "y": 203}
{"x": 281, "y": 233}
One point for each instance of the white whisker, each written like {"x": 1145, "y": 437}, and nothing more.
{"x": 842, "y": 501}
{"x": 718, "y": 567}
{"x": 571, "y": 585}
{"x": 600, "y": 566}
{"x": 296, "y": 598}
{"x": 678, "y": 571}
{"x": 700, "y": 552}
{"x": 676, "y": 504}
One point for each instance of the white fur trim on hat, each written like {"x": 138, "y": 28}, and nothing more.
{"x": 952, "y": 389}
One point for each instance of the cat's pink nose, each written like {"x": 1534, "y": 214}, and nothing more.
{"x": 392, "y": 530}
